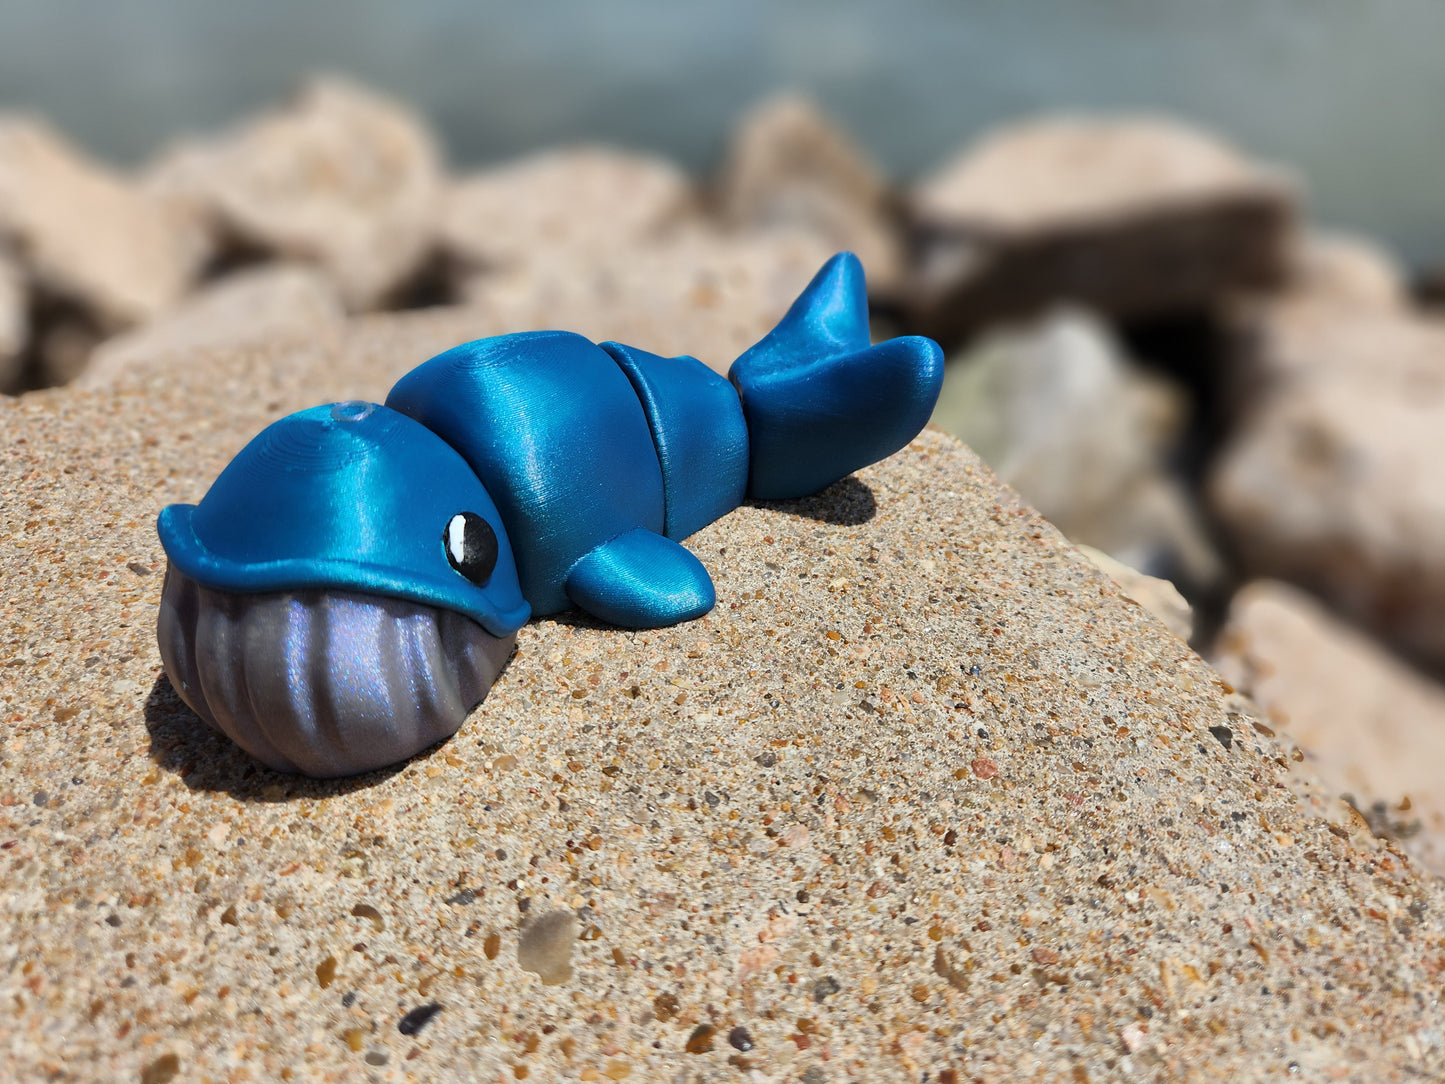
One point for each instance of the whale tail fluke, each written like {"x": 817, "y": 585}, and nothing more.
{"x": 819, "y": 400}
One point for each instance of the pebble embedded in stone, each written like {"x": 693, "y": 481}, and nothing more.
{"x": 701, "y": 1039}
{"x": 371, "y": 914}
{"x": 545, "y": 946}
{"x": 825, "y": 988}
{"x": 418, "y": 1018}
{"x": 162, "y": 1070}
{"x": 740, "y": 1039}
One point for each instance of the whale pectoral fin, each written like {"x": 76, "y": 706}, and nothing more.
{"x": 641, "y": 580}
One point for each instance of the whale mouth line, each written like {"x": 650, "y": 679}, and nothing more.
{"x": 320, "y": 681}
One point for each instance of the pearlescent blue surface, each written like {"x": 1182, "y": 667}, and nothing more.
{"x": 820, "y": 402}
{"x": 641, "y": 580}
{"x": 553, "y": 429}
{"x": 290, "y": 617}
{"x": 589, "y": 462}
{"x": 698, "y": 428}
{"x": 350, "y": 496}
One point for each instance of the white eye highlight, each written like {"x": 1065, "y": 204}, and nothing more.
{"x": 471, "y": 546}
{"x": 457, "y": 539}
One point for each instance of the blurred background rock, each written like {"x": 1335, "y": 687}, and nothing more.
{"x": 1186, "y": 259}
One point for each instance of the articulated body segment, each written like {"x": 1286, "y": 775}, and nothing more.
{"x": 580, "y": 445}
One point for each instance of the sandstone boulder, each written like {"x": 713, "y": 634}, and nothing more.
{"x": 701, "y": 292}
{"x": 1342, "y": 270}
{"x": 341, "y": 178}
{"x": 84, "y": 236}
{"x": 274, "y": 303}
{"x": 1372, "y": 727}
{"x": 789, "y": 166}
{"x": 571, "y": 209}
{"x": 1333, "y": 480}
{"x": 1060, "y": 413}
{"x": 1272, "y": 335}
{"x": 923, "y": 793}
{"x": 1160, "y": 597}
{"x": 1131, "y": 216}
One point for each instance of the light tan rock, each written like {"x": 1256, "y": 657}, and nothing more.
{"x": 701, "y": 292}
{"x": 1333, "y": 479}
{"x": 1343, "y": 270}
{"x": 788, "y": 165}
{"x": 1033, "y": 770}
{"x": 1160, "y": 597}
{"x": 14, "y": 322}
{"x": 1132, "y": 216}
{"x": 1059, "y": 412}
{"x": 1372, "y": 727}
{"x": 273, "y": 303}
{"x": 573, "y": 208}
{"x": 341, "y": 177}
{"x": 83, "y": 234}
{"x": 1273, "y": 334}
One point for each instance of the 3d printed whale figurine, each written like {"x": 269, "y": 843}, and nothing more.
{"x": 353, "y": 582}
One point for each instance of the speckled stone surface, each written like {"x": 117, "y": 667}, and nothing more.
{"x": 924, "y": 798}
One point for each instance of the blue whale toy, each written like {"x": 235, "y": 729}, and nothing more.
{"x": 352, "y": 584}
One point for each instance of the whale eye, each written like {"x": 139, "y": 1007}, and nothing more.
{"x": 471, "y": 546}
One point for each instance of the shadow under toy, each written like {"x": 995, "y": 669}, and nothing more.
{"x": 353, "y": 582}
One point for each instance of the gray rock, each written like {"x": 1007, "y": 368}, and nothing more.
{"x": 1131, "y": 216}
{"x": 1372, "y": 728}
{"x": 84, "y": 235}
{"x": 341, "y": 178}
{"x": 573, "y": 208}
{"x": 788, "y": 165}
{"x": 14, "y": 321}
{"x": 1062, "y": 416}
{"x": 1332, "y": 481}
{"x": 274, "y": 303}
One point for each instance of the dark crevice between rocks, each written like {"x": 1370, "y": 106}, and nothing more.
{"x": 233, "y": 253}
{"x": 62, "y": 336}
{"x": 1199, "y": 349}
{"x": 432, "y": 285}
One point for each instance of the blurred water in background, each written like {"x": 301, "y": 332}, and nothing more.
{"x": 1346, "y": 92}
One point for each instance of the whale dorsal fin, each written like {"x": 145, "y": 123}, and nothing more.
{"x": 829, "y": 317}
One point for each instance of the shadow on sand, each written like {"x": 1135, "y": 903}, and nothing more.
{"x": 848, "y": 502}
{"x": 206, "y": 760}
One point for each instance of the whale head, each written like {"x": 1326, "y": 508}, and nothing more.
{"x": 342, "y": 597}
